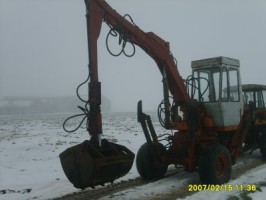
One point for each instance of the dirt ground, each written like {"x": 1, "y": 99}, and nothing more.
{"x": 180, "y": 192}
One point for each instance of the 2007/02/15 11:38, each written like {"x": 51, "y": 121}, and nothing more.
{"x": 223, "y": 187}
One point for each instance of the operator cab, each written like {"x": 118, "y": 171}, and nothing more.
{"x": 211, "y": 82}
{"x": 253, "y": 96}
{"x": 254, "y": 93}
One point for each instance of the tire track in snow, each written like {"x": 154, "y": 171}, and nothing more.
{"x": 122, "y": 189}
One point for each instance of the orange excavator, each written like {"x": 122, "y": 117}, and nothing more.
{"x": 207, "y": 119}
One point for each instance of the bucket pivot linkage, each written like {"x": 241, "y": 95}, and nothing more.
{"x": 95, "y": 161}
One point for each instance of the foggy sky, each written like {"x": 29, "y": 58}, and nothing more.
{"x": 43, "y": 45}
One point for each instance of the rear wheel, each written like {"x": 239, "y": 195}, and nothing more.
{"x": 215, "y": 165}
{"x": 148, "y": 163}
{"x": 262, "y": 143}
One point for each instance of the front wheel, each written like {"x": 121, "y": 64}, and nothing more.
{"x": 148, "y": 163}
{"x": 215, "y": 165}
{"x": 262, "y": 143}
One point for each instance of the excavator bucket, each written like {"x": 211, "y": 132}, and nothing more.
{"x": 87, "y": 165}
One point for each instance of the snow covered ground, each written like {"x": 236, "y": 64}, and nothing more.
{"x": 30, "y": 166}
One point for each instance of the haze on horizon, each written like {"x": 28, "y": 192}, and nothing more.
{"x": 43, "y": 46}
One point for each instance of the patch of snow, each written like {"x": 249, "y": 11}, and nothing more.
{"x": 30, "y": 166}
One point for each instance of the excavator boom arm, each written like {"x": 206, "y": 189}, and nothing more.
{"x": 98, "y": 161}
{"x": 99, "y": 11}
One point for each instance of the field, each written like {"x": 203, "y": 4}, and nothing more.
{"x": 30, "y": 166}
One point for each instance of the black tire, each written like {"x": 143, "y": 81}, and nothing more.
{"x": 215, "y": 165}
{"x": 147, "y": 163}
{"x": 262, "y": 144}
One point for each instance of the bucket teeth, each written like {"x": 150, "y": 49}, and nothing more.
{"x": 86, "y": 165}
